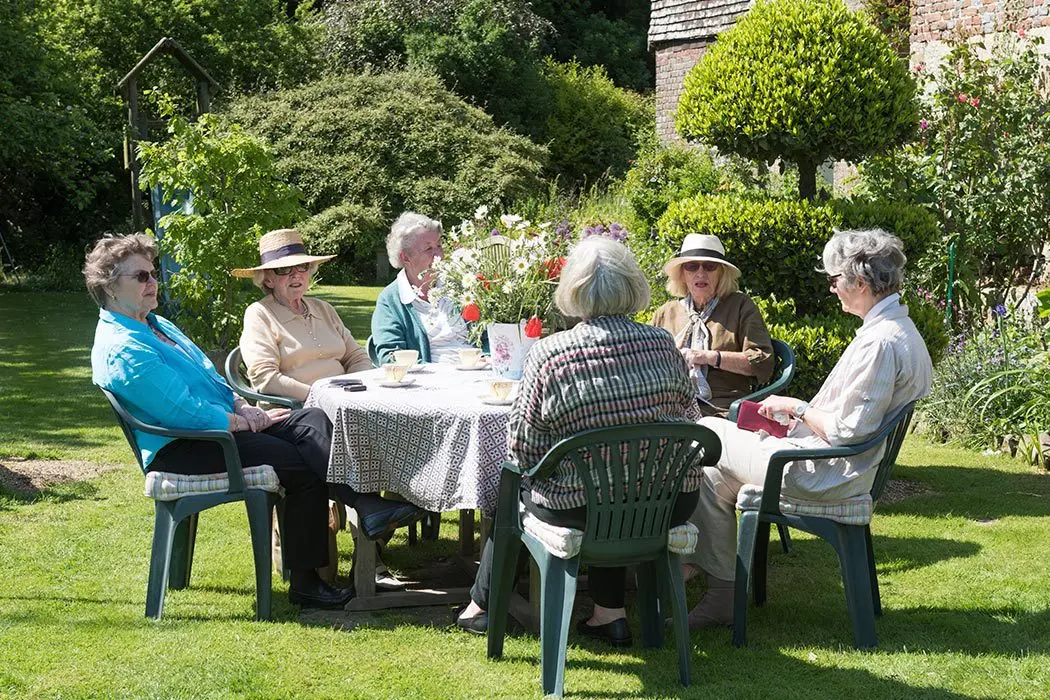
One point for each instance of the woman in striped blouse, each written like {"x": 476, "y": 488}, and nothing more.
{"x": 608, "y": 370}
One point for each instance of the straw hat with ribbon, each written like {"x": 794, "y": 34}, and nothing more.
{"x": 281, "y": 248}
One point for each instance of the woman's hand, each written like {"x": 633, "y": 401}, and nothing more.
{"x": 696, "y": 358}
{"x": 774, "y": 405}
{"x": 276, "y": 415}
{"x": 258, "y": 419}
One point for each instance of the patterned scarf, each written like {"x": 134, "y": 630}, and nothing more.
{"x": 696, "y": 336}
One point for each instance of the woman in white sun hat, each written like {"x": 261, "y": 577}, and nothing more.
{"x": 718, "y": 328}
{"x": 290, "y": 340}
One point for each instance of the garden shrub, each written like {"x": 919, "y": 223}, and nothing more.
{"x": 981, "y": 165}
{"x": 365, "y": 148}
{"x": 237, "y": 196}
{"x": 594, "y": 127}
{"x": 802, "y": 80}
{"x": 664, "y": 175}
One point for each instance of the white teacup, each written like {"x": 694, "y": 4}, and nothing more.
{"x": 469, "y": 357}
{"x": 406, "y": 357}
{"x": 501, "y": 388}
{"x": 395, "y": 372}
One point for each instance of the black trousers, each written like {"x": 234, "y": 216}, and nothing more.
{"x": 297, "y": 448}
{"x": 605, "y": 583}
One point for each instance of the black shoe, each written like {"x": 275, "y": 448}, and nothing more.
{"x": 382, "y": 521}
{"x": 318, "y": 594}
{"x": 479, "y": 624}
{"x": 616, "y": 632}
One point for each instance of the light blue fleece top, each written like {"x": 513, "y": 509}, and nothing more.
{"x": 171, "y": 387}
{"x": 396, "y": 326}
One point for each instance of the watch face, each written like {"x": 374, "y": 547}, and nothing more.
{"x": 801, "y": 408}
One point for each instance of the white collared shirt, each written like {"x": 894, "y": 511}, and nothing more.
{"x": 446, "y": 329}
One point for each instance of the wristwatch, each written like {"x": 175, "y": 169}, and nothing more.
{"x": 800, "y": 409}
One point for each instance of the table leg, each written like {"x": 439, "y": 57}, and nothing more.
{"x": 466, "y": 532}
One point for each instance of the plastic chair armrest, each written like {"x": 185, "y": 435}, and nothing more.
{"x": 230, "y": 453}
{"x": 251, "y": 395}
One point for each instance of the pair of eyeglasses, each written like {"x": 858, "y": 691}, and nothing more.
{"x": 283, "y": 271}
{"x": 142, "y": 276}
{"x": 694, "y": 265}
{"x": 833, "y": 279}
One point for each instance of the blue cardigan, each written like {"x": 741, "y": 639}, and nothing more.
{"x": 396, "y": 326}
{"x": 170, "y": 387}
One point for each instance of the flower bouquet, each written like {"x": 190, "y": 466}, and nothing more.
{"x": 502, "y": 273}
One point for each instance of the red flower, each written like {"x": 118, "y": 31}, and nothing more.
{"x": 471, "y": 313}
{"x": 553, "y": 267}
{"x": 484, "y": 282}
{"x": 974, "y": 101}
{"x": 534, "y": 327}
{"x": 962, "y": 97}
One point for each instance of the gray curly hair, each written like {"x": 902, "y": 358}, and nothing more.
{"x": 404, "y": 231}
{"x": 872, "y": 256}
{"x": 102, "y": 263}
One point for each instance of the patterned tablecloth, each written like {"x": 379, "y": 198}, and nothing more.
{"x": 434, "y": 442}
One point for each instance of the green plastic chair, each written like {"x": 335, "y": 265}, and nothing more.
{"x": 783, "y": 373}
{"x": 175, "y": 526}
{"x": 852, "y": 543}
{"x": 629, "y": 528}
{"x": 237, "y": 380}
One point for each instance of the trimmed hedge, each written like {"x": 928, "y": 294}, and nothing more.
{"x": 664, "y": 175}
{"x": 364, "y": 148}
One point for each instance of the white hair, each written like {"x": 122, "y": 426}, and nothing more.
{"x": 601, "y": 278}
{"x": 872, "y": 256}
{"x": 404, "y": 232}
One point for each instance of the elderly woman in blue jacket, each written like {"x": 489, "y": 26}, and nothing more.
{"x": 162, "y": 378}
{"x": 405, "y": 318}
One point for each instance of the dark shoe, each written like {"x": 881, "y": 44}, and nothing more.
{"x": 617, "y": 632}
{"x": 320, "y": 595}
{"x": 479, "y": 624}
{"x": 382, "y": 521}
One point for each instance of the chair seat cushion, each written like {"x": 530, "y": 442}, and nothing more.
{"x": 849, "y": 511}
{"x": 167, "y": 486}
{"x": 565, "y": 542}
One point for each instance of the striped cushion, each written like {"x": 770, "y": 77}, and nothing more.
{"x": 848, "y": 511}
{"x": 166, "y": 486}
{"x": 565, "y": 542}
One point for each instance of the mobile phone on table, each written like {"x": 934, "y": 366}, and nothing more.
{"x": 354, "y": 387}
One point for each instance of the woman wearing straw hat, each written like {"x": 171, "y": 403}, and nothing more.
{"x": 719, "y": 329}
{"x": 290, "y": 340}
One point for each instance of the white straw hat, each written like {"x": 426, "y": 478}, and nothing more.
{"x": 698, "y": 246}
{"x": 281, "y": 248}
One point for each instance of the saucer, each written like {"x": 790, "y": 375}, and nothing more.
{"x": 407, "y": 381}
{"x": 479, "y": 365}
{"x": 493, "y": 401}
{"x": 418, "y": 367}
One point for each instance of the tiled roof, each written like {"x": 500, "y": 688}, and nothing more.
{"x": 689, "y": 20}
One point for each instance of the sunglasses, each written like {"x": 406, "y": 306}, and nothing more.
{"x": 833, "y": 279}
{"x": 142, "y": 276}
{"x": 694, "y": 265}
{"x": 283, "y": 271}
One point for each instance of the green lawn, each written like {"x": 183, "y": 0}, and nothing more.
{"x": 963, "y": 567}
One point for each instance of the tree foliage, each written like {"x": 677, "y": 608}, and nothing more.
{"x": 363, "y": 148}
{"x": 803, "y": 80}
{"x": 237, "y": 196}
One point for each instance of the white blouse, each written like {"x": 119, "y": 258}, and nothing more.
{"x": 446, "y": 329}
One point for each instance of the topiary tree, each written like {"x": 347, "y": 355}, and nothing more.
{"x": 802, "y": 80}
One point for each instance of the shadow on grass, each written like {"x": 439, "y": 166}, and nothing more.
{"x": 19, "y": 489}
{"x": 977, "y": 493}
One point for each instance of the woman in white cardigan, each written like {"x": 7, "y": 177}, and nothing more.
{"x": 884, "y": 367}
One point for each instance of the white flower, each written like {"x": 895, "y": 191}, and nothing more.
{"x": 460, "y": 255}
{"x": 467, "y": 281}
{"x": 508, "y": 287}
{"x": 466, "y": 298}
{"x": 481, "y": 213}
{"x": 520, "y": 265}
{"x": 467, "y": 228}
{"x": 509, "y": 220}
{"x": 545, "y": 225}
{"x": 522, "y": 225}
{"x": 453, "y": 233}
{"x": 517, "y": 243}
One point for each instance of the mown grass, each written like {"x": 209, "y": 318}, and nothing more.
{"x": 965, "y": 583}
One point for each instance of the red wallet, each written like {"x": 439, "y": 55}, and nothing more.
{"x": 748, "y": 418}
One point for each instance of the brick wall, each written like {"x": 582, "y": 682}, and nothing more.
{"x": 672, "y": 63}
{"x": 935, "y": 22}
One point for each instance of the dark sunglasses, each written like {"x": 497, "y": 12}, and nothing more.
{"x": 142, "y": 276}
{"x": 282, "y": 271}
{"x": 694, "y": 265}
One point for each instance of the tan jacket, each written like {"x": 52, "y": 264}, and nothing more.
{"x": 735, "y": 326}
{"x": 285, "y": 353}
